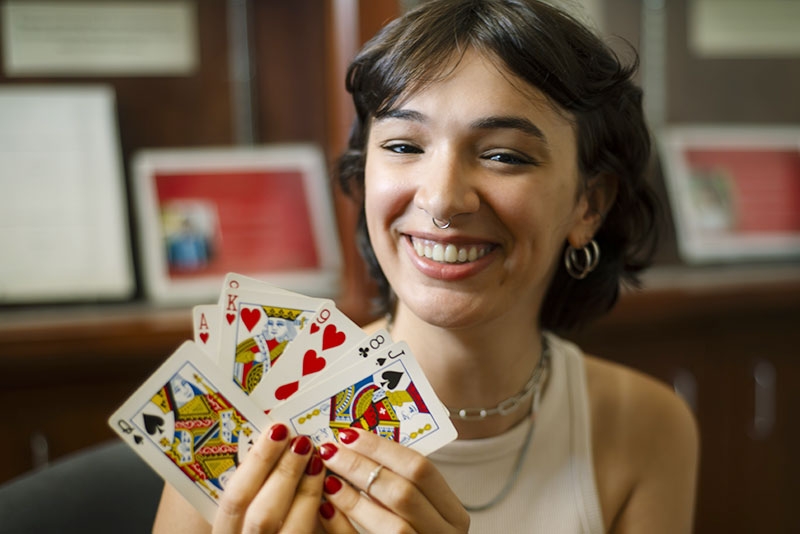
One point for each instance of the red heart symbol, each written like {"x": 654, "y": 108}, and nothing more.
{"x": 314, "y": 328}
{"x": 204, "y": 337}
{"x": 312, "y": 364}
{"x": 287, "y": 390}
{"x": 250, "y": 317}
{"x": 332, "y": 337}
{"x": 230, "y": 317}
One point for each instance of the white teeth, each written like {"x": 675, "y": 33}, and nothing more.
{"x": 449, "y": 253}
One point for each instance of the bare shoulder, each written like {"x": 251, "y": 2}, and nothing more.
{"x": 640, "y": 402}
{"x": 645, "y": 441}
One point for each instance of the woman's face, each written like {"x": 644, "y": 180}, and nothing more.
{"x": 485, "y": 149}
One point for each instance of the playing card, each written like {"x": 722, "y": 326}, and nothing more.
{"x": 393, "y": 400}
{"x": 330, "y": 335}
{"x": 205, "y": 321}
{"x": 191, "y": 425}
{"x": 369, "y": 348}
{"x": 257, "y": 327}
{"x": 245, "y": 283}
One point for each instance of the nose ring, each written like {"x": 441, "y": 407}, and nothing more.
{"x": 442, "y": 225}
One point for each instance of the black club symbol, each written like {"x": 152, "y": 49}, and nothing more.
{"x": 363, "y": 351}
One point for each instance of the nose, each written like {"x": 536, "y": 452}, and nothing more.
{"x": 447, "y": 188}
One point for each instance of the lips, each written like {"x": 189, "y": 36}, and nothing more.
{"x": 443, "y": 252}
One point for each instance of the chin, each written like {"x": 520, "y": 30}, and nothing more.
{"x": 445, "y": 309}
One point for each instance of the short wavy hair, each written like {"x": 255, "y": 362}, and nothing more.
{"x": 577, "y": 72}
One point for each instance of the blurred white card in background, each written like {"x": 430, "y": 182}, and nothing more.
{"x": 63, "y": 215}
{"x": 93, "y": 38}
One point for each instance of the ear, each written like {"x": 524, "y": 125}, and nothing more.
{"x": 594, "y": 202}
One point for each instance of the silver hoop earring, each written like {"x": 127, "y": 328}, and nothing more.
{"x": 580, "y": 265}
{"x": 442, "y": 225}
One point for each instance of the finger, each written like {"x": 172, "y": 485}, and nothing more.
{"x": 334, "y": 521}
{"x": 248, "y": 479}
{"x": 269, "y": 508}
{"x": 410, "y": 465}
{"x": 381, "y": 486}
{"x": 367, "y": 513}
{"x": 303, "y": 515}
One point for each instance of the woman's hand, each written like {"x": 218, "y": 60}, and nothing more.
{"x": 408, "y": 494}
{"x": 277, "y": 487}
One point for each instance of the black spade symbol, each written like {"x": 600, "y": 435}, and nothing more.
{"x": 153, "y": 423}
{"x": 392, "y": 378}
{"x": 138, "y": 439}
{"x": 381, "y": 361}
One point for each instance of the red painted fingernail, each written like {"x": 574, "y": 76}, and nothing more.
{"x": 278, "y": 432}
{"x": 314, "y": 466}
{"x": 326, "y": 450}
{"x": 348, "y": 435}
{"x": 326, "y": 510}
{"x": 332, "y": 485}
{"x": 301, "y": 445}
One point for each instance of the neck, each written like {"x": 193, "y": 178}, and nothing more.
{"x": 474, "y": 366}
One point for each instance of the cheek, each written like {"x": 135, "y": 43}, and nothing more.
{"x": 385, "y": 197}
{"x": 540, "y": 219}
{"x": 378, "y": 205}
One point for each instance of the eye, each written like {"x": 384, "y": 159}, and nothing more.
{"x": 401, "y": 148}
{"x": 510, "y": 158}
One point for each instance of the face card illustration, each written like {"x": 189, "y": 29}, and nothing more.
{"x": 330, "y": 335}
{"x": 191, "y": 426}
{"x": 256, "y": 330}
{"x": 205, "y": 321}
{"x": 393, "y": 400}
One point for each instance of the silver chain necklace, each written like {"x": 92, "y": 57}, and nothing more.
{"x": 533, "y": 386}
{"x": 510, "y": 404}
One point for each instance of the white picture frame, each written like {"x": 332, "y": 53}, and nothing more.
{"x": 64, "y": 232}
{"x": 265, "y": 212}
{"x": 734, "y": 191}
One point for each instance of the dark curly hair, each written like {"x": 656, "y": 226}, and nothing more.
{"x": 579, "y": 74}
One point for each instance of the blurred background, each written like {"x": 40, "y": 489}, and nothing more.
{"x": 718, "y": 318}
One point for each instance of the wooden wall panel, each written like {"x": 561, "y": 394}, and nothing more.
{"x": 156, "y": 111}
{"x": 289, "y": 61}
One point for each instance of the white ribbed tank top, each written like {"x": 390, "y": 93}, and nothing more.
{"x": 556, "y": 490}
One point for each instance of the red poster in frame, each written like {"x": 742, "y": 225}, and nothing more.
{"x": 264, "y": 212}
{"x": 734, "y": 191}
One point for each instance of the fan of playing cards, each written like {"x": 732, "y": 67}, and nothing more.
{"x": 262, "y": 355}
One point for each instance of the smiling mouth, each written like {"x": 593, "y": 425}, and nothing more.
{"x": 449, "y": 252}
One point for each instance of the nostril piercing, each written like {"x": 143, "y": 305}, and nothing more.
{"x": 442, "y": 225}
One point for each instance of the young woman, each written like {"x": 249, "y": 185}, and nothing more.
{"x": 499, "y": 152}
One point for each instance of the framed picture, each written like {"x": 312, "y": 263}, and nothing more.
{"x": 734, "y": 191}
{"x": 264, "y": 212}
{"x": 64, "y": 234}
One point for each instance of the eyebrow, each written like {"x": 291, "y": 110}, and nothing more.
{"x": 486, "y": 123}
{"x": 402, "y": 114}
{"x": 510, "y": 122}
